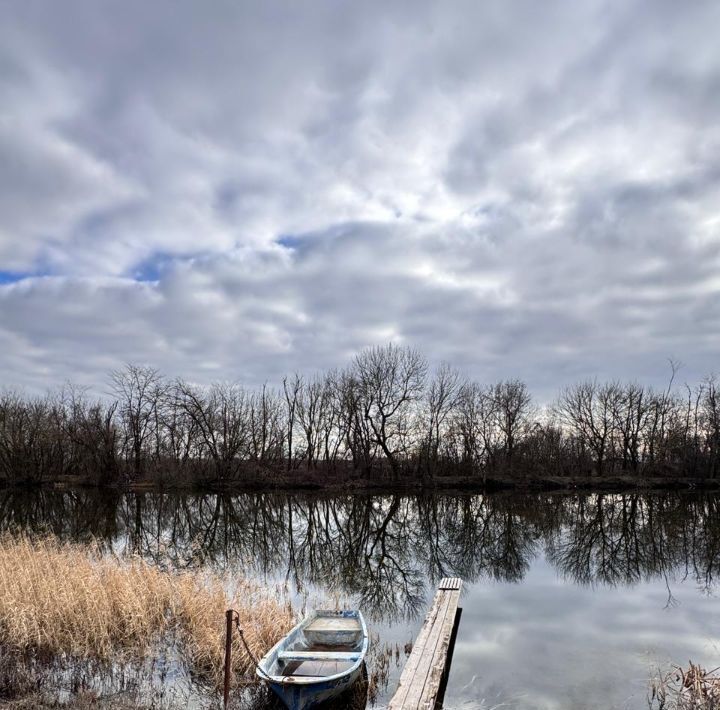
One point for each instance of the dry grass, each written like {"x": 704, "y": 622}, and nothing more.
{"x": 691, "y": 688}
{"x": 68, "y": 601}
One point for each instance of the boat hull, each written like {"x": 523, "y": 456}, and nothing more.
{"x": 298, "y": 696}
{"x": 312, "y": 663}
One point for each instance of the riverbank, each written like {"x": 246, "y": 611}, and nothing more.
{"x": 339, "y": 482}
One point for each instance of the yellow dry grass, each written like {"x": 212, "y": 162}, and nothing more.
{"x": 62, "y": 600}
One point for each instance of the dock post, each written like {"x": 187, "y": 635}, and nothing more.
{"x": 229, "y": 617}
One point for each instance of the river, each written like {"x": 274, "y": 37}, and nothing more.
{"x": 569, "y": 601}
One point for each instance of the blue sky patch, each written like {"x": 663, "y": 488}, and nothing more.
{"x": 11, "y": 277}
{"x": 156, "y": 266}
{"x": 151, "y": 269}
{"x": 291, "y": 241}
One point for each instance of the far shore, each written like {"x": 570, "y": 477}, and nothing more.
{"x": 308, "y": 481}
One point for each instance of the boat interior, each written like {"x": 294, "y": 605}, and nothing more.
{"x": 326, "y": 646}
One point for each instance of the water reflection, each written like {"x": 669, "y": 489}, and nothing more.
{"x": 389, "y": 551}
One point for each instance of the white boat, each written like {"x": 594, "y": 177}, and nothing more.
{"x": 318, "y": 660}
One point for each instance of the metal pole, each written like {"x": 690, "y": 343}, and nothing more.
{"x": 229, "y": 616}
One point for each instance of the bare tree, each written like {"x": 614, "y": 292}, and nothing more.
{"x": 711, "y": 422}
{"x": 291, "y": 389}
{"x": 587, "y": 409}
{"x": 316, "y": 413}
{"x": 442, "y": 398}
{"x": 90, "y": 430}
{"x": 467, "y": 424}
{"x": 267, "y": 429}
{"x": 221, "y": 415}
{"x": 630, "y": 414}
{"x": 182, "y": 446}
{"x": 511, "y": 408}
{"x": 353, "y": 428}
{"x": 391, "y": 380}
{"x": 137, "y": 390}
{"x": 660, "y": 413}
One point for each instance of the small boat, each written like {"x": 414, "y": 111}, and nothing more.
{"x": 318, "y": 660}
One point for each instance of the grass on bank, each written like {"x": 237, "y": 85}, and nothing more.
{"x": 61, "y": 602}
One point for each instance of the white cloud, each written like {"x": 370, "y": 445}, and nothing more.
{"x": 243, "y": 190}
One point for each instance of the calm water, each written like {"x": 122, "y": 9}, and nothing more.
{"x": 569, "y": 602}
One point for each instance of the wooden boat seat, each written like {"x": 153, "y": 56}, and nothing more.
{"x": 334, "y": 647}
{"x": 333, "y": 624}
{"x": 287, "y": 656}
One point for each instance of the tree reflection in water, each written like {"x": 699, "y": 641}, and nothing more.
{"x": 387, "y": 552}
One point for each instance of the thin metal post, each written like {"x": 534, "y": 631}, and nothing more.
{"x": 229, "y": 617}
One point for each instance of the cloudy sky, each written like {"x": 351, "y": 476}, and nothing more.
{"x": 235, "y": 190}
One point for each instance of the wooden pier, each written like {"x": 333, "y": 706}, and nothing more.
{"x": 422, "y": 683}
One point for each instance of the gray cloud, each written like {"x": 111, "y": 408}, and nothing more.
{"x": 238, "y": 191}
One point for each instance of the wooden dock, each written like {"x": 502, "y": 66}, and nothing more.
{"x": 425, "y": 674}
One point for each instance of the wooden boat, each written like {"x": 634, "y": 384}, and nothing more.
{"x": 318, "y": 660}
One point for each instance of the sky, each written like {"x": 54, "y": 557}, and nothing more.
{"x": 238, "y": 190}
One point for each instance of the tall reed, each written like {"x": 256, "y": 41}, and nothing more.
{"x": 65, "y": 601}
{"x": 691, "y": 688}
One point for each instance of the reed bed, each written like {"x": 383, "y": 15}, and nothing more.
{"x": 691, "y": 688}
{"x": 61, "y": 602}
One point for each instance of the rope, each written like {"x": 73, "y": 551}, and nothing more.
{"x": 247, "y": 648}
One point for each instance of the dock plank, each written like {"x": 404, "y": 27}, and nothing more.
{"x": 418, "y": 688}
{"x": 419, "y": 649}
{"x": 422, "y": 676}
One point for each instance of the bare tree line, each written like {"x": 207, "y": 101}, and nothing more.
{"x": 385, "y": 415}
